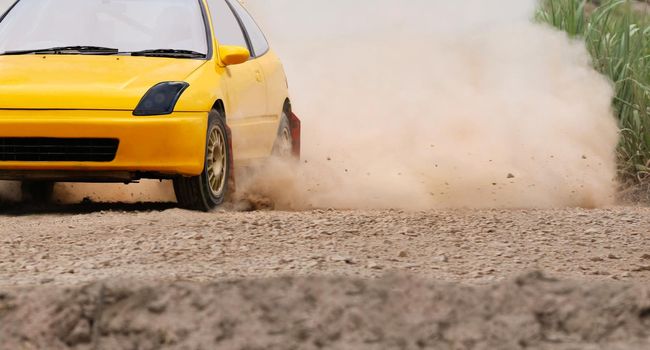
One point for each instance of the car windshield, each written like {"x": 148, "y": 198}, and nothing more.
{"x": 125, "y": 25}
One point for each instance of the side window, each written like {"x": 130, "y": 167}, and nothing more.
{"x": 226, "y": 26}
{"x": 260, "y": 45}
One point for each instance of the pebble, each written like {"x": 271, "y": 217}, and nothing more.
{"x": 409, "y": 232}
{"x": 345, "y": 259}
{"x": 441, "y": 259}
{"x": 642, "y": 268}
{"x": 311, "y": 264}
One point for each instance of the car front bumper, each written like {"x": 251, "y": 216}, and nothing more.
{"x": 149, "y": 147}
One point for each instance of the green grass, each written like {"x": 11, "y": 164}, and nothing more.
{"x": 618, "y": 38}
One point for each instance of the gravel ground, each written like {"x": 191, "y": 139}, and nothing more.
{"x": 529, "y": 312}
{"x": 67, "y": 245}
{"x": 151, "y": 276}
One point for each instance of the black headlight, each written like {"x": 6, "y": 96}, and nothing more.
{"x": 161, "y": 99}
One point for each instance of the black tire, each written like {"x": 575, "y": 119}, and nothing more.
{"x": 37, "y": 192}
{"x": 200, "y": 192}
{"x": 283, "y": 147}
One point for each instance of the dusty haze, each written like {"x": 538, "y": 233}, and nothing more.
{"x": 429, "y": 103}
{"x": 424, "y": 104}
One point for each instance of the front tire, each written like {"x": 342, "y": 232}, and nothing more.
{"x": 37, "y": 192}
{"x": 208, "y": 190}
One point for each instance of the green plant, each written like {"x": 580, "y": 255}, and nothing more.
{"x": 618, "y": 38}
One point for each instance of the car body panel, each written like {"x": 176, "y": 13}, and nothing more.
{"x": 85, "y": 81}
{"x": 254, "y": 132}
{"x": 145, "y": 143}
{"x": 72, "y": 96}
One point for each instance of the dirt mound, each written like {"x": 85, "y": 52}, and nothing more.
{"x": 394, "y": 312}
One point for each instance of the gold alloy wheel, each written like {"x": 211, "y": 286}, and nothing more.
{"x": 217, "y": 161}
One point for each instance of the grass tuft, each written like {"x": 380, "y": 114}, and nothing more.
{"x": 618, "y": 37}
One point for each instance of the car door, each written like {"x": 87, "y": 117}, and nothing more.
{"x": 264, "y": 129}
{"x": 245, "y": 85}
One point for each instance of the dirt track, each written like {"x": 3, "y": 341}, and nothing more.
{"x": 64, "y": 247}
{"x": 49, "y": 255}
{"x": 530, "y": 312}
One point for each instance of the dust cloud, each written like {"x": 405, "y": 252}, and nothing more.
{"x": 426, "y": 104}
{"x": 143, "y": 191}
{"x": 431, "y": 103}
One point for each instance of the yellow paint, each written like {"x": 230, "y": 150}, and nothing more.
{"x": 231, "y": 55}
{"x": 94, "y": 96}
{"x": 169, "y": 144}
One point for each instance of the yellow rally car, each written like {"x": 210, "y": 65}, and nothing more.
{"x": 122, "y": 90}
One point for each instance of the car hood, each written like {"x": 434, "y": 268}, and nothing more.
{"x": 83, "y": 81}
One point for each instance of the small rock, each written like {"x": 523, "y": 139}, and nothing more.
{"x": 337, "y": 258}
{"x": 345, "y": 259}
{"x": 511, "y": 176}
{"x": 596, "y": 259}
{"x": 157, "y": 306}
{"x": 591, "y": 231}
{"x": 47, "y": 280}
{"x": 373, "y": 265}
{"x": 409, "y": 232}
{"x": 311, "y": 264}
{"x": 441, "y": 259}
{"x": 403, "y": 254}
{"x": 613, "y": 257}
{"x": 645, "y": 257}
{"x": 81, "y": 333}
{"x": 628, "y": 219}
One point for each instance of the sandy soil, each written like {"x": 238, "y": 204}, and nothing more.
{"x": 530, "y": 312}
{"x": 61, "y": 246}
{"x": 150, "y": 276}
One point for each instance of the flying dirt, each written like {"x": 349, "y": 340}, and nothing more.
{"x": 480, "y": 107}
{"x": 428, "y": 104}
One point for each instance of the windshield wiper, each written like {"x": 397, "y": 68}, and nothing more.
{"x": 67, "y": 50}
{"x": 168, "y": 53}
